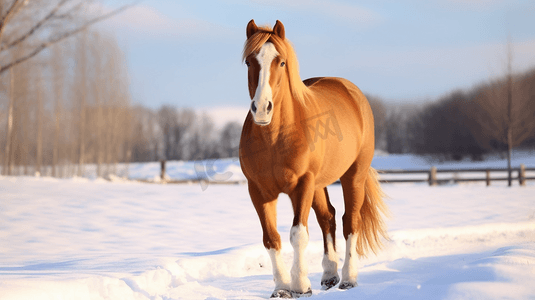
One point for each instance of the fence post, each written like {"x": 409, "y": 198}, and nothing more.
{"x": 433, "y": 176}
{"x": 522, "y": 175}
{"x": 488, "y": 177}
{"x": 162, "y": 172}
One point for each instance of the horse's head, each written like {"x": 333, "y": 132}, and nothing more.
{"x": 265, "y": 56}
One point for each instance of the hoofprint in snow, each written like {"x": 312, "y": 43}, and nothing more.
{"x": 92, "y": 239}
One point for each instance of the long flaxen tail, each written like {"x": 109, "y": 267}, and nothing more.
{"x": 372, "y": 228}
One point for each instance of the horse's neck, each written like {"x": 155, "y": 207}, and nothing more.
{"x": 285, "y": 119}
{"x": 287, "y": 113}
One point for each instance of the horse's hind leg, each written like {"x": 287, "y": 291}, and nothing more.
{"x": 325, "y": 213}
{"x": 353, "y": 183}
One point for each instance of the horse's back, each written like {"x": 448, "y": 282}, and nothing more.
{"x": 310, "y": 81}
{"x": 352, "y": 117}
{"x": 341, "y": 93}
{"x": 330, "y": 85}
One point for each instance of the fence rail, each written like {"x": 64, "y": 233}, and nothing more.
{"x": 452, "y": 175}
{"x": 433, "y": 176}
{"x": 429, "y": 175}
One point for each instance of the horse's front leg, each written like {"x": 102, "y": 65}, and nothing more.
{"x": 301, "y": 196}
{"x": 325, "y": 213}
{"x": 267, "y": 212}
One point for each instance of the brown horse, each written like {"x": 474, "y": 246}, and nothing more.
{"x": 298, "y": 138}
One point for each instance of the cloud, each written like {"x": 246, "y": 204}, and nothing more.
{"x": 474, "y": 5}
{"x": 523, "y": 58}
{"x": 148, "y": 22}
{"x": 486, "y": 58}
{"x": 339, "y": 12}
{"x": 475, "y": 2}
{"x": 436, "y": 70}
{"x": 347, "y": 12}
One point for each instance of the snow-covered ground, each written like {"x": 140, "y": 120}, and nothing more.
{"x": 94, "y": 239}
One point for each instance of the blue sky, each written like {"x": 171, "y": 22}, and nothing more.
{"x": 188, "y": 53}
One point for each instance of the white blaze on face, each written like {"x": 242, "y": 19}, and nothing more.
{"x": 263, "y": 95}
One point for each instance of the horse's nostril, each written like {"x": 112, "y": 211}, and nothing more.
{"x": 253, "y": 107}
{"x": 270, "y": 106}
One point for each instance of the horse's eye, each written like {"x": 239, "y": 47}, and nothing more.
{"x": 283, "y": 64}
{"x": 247, "y": 63}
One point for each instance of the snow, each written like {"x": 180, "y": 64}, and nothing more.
{"x": 94, "y": 239}
{"x": 227, "y": 169}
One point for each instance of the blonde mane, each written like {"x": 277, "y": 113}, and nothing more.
{"x": 299, "y": 90}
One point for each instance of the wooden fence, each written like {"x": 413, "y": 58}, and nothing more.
{"x": 433, "y": 176}
{"x": 436, "y": 176}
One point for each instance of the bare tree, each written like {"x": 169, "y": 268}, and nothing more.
{"x": 397, "y": 135}
{"x": 185, "y": 122}
{"x": 142, "y": 139}
{"x": 379, "y": 117}
{"x": 167, "y": 119}
{"x": 81, "y": 97}
{"x": 22, "y": 111}
{"x": 503, "y": 113}
{"x": 202, "y": 143}
{"x": 230, "y": 139}
{"x": 117, "y": 102}
{"x": 27, "y": 27}
{"x": 99, "y": 93}
{"x": 58, "y": 77}
{"x": 51, "y": 22}
{"x": 40, "y": 125}
{"x": 9, "y": 124}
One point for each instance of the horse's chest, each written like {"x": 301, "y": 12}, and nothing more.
{"x": 277, "y": 164}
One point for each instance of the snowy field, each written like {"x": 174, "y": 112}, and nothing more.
{"x": 95, "y": 239}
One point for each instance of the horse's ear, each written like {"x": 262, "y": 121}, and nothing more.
{"x": 278, "y": 29}
{"x": 251, "y": 28}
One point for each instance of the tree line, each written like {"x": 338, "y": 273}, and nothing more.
{"x": 465, "y": 123}
{"x": 72, "y": 108}
{"x": 65, "y": 103}
{"x": 172, "y": 133}
{"x": 461, "y": 124}
{"x": 67, "y": 107}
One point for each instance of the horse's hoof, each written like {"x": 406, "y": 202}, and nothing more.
{"x": 329, "y": 283}
{"x": 346, "y": 285}
{"x": 283, "y": 294}
{"x": 299, "y": 294}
